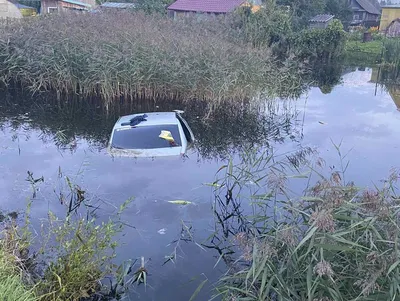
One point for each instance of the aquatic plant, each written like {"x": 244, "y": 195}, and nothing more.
{"x": 334, "y": 242}
{"x": 72, "y": 255}
{"x": 133, "y": 55}
{"x": 79, "y": 260}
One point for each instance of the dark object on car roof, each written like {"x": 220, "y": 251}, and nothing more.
{"x": 136, "y": 120}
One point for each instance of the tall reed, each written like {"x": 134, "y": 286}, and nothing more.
{"x": 134, "y": 55}
{"x": 391, "y": 52}
{"x": 335, "y": 242}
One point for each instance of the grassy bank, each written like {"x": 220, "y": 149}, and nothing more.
{"x": 131, "y": 54}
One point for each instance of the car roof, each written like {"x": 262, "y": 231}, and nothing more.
{"x": 156, "y": 118}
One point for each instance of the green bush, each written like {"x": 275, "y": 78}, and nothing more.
{"x": 321, "y": 44}
{"x": 268, "y": 26}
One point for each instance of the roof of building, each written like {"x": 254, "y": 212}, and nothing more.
{"x": 117, "y": 5}
{"x": 369, "y": 7}
{"x": 321, "y": 18}
{"x": 21, "y": 6}
{"x": 207, "y": 6}
{"x": 76, "y": 3}
{"x": 391, "y": 6}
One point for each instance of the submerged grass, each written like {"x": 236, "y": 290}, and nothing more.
{"x": 134, "y": 55}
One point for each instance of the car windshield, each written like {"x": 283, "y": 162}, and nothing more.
{"x": 145, "y": 137}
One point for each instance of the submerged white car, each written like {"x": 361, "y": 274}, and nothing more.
{"x": 150, "y": 135}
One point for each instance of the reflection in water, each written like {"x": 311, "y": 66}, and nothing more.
{"x": 219, "y": 130}
{"x": 388, "y": 79}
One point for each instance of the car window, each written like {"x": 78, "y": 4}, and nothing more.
{"x": 144, "y": 137}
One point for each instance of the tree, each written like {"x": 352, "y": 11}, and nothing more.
{"x": 303, "y": 10}
{"x": 153, "y": 6}
{"x": 340, "y": 9}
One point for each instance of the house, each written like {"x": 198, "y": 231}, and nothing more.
{"x": 320, "y": 21}
{"x": 390, "y": 17}
{"x": 117, "y": 5}
{"x": 9, "y": 10}
{"x": 57, "y": 6}
{"x": 209, "y": 7}
{"x": 364, "y": 13}
{"x": 393, "y": 29}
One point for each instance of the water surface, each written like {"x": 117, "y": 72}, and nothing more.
{"x": 70, "y": 139}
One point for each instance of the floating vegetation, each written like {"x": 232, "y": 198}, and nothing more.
{"x": 180, "y": 202}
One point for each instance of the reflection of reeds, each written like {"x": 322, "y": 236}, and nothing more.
{"x": 122, "y": 54}
{"x": 220, "y": 130}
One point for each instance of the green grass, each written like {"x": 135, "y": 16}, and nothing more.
{"x": 363, "y": 54}
{"x": 12, "y": 287}
{"x": 373, "y": 47}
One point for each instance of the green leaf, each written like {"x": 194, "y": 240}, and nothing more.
{"x": 311, "y": 199}
{"x": 307, "y": 237}
{"x": 393, "y": 266}
{"x": 198, "y": 289}
{"x": 331, "y": 247}
{"x": 261, "y": 196}
{"x": 309, "y": 285}
{"x": 180, "y": 202}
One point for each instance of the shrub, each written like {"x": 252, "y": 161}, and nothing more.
{"x": 270, "y": 25}
{"x": 322, "y": 44}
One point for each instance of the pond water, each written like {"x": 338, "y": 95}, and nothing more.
{"x": 49, "y": 139}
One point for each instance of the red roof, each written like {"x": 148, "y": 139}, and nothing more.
{"x": 206, "y": 6}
